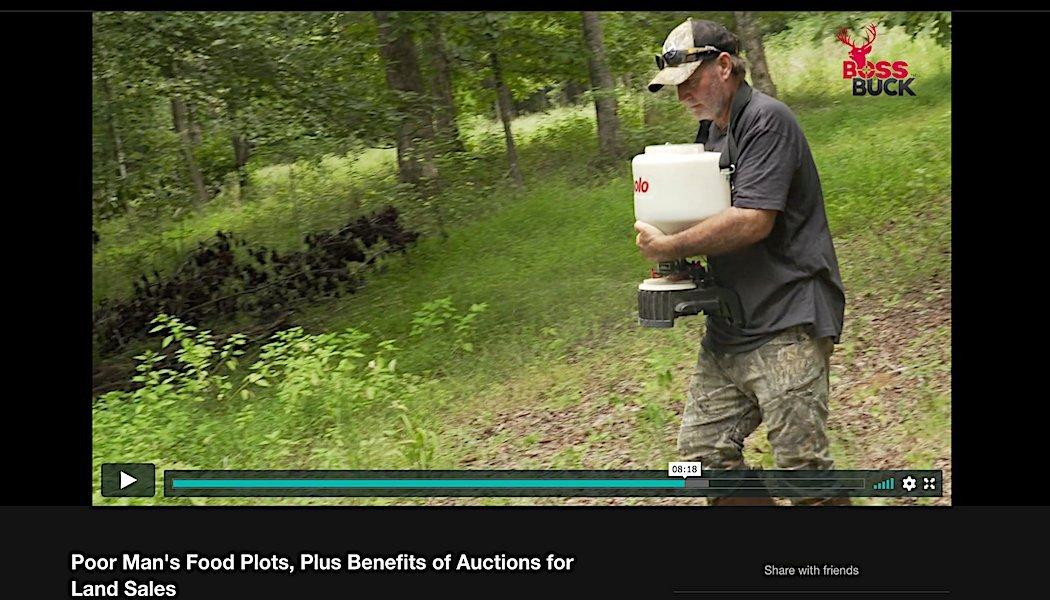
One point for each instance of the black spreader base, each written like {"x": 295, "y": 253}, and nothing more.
{"x": 660, "y": 309}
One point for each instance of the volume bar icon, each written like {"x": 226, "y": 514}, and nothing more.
{"x": 886, "y": 484}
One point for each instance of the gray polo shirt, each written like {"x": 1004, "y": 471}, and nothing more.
{"x": 792, "y": 276}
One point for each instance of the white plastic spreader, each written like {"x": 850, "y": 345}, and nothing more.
{"x": 678, "y": 185}
{"x": 675, "y": 187}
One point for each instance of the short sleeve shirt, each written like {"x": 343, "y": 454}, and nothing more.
{"x": 792, "y": 276}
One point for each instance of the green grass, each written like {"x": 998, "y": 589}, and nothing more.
{"x": 557, "y": 267}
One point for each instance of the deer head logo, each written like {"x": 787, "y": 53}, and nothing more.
{"x": 859, "y": 54}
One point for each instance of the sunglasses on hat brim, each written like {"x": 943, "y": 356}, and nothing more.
{"x": 680, "y": 56}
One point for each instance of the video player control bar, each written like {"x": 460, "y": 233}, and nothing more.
{"x": 915, "y": 483}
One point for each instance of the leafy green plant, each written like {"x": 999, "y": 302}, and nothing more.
{"x": 301, "y": 390}
{"x": 441, "y": 318}
{"x": 418, "y": 444}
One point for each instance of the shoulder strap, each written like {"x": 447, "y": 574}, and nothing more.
{"x": 703, "y": 132}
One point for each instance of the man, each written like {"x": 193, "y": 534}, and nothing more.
{"x": 773, "y": 248}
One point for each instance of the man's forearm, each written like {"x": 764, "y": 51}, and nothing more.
{"x": 729, "y": 230}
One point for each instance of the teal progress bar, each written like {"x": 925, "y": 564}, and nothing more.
{"x": 396, "y": 484}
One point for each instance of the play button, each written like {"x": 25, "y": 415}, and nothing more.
{"x": 128, "y": 480}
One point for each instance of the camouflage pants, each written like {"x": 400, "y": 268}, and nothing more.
{"x": 783, "y": 382}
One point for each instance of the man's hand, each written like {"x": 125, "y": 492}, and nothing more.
{"x": 654, "y": 245}
{"x": 728, "y": 231}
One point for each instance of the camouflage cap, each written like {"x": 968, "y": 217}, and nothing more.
{"x": 692, "y": 34}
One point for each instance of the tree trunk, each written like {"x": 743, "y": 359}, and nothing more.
{"x": 113, "y": 127}
{"x": 179, "y": 118}
{"x": 503, "y": 101}
{"x": 441, "y": 85}
{"x": 241, "y": 154}
{"x": 604, "y": 89}
{"x": 114, "y": 131}
{"x": 751, "y": 38}
{"x": 194, "y": 125}
{"x": 498, "y": 108}
{"x": 415, "y": 161}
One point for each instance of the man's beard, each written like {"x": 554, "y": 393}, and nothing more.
{"x": 708, "y": 112}
{"x": 711, "y": 108}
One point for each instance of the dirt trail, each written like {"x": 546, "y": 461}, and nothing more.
{"x": 901, "y": 361}
{"x": 893, "y": 357}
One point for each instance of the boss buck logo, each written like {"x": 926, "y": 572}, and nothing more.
{"x": 871, "y": 78}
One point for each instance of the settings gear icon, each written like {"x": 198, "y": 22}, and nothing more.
{"x": 909, "y": 483}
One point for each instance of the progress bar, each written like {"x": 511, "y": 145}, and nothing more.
{"x": 409, "y": 484}
{"x": 181, "y": 483}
